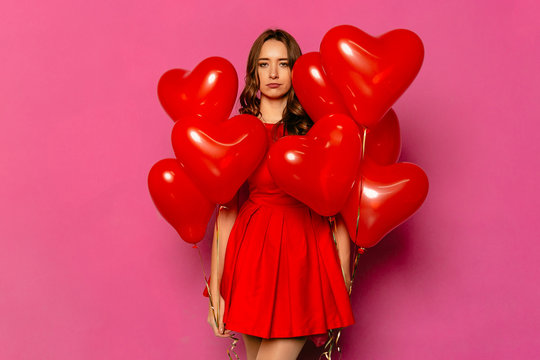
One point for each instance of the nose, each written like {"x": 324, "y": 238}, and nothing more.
{"x": 273, "y": 72}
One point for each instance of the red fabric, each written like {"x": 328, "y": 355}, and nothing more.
{"x": 282, "y": 276}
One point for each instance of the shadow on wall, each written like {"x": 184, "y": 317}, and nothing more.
{"x": 387, "y": 257}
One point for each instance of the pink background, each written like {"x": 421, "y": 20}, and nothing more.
{"x": 88, "y": 268}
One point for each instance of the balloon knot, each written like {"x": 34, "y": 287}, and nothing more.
{"x": 361, "y": 250}
{"x": 194, "y": 246}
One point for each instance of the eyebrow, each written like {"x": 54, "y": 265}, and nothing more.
{"x": 269, "y": 59}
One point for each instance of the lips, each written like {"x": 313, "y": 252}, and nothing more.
{"x": 273, "y": 85}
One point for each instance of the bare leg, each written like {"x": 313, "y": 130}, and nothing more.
{"x": 281, "y": 349}
{"x": 252, "y": 346}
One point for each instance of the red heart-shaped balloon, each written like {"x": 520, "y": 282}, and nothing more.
{"x": 317, "y": 95}
{"x": 318, "y": 168}
{"x": 383, "y": 141}
{"x": 179, "y": 201}
{"x": 208, "y": 91}
{"x": 219, "y": 156}
{"x": 383, "y": 197}
{"x": 371, "y": 73}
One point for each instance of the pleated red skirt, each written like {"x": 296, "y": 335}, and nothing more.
{"x": 282, "y": 276}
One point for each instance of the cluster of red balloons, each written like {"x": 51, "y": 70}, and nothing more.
{"x": 345, "y": 165}
{"x": 355, "y": 78}
{"x": 214, "y": 154}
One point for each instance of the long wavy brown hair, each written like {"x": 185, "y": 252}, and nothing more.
{"x": 295, "y": 120}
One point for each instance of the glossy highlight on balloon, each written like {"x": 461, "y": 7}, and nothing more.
{"x": 219, "y": 156}
{"x": 370, "y": 73}
{"x": 383, "y": 198}
{"x": 179, "y": 201}
{"x": 318, "y": 168}
{"x": 208, "y": 91}
{"x": 383, "y": 141}
{"x": 315, "y": 92}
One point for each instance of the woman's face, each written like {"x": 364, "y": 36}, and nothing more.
{"x": 273, "y": 70}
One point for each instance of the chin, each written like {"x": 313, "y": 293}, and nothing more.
{"x": 275, "y": 96}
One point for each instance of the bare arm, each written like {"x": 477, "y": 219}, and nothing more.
{"x": 224, "y": 222}
{"x": 343, "y": 241}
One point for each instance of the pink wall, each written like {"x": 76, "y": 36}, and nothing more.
{"x": 88, "y": 268}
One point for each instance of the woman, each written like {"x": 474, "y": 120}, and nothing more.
{"x": 276, "y": 271}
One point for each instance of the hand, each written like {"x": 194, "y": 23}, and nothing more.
{"x": 348, "y": 281}
{"x": 212, "y": 319}
{"x": 348, "y": 284}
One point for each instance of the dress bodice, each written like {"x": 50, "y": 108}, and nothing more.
{"x": 262, "y": 188}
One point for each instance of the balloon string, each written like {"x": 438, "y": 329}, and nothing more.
{"x": 364, "y": 143}
{"x": 231, "y": 349}
{"x": 334, "y": 334}
{"x": 359, "y": 250}
{"x": 217, "y": 252}
{"x": 331, "y": 343}
{"x": 207, "y": 287}
{"x": 215, "y": 311}
{"x": 234, "y": 339}
{"x": 333, "y": 225}
{"x": 361, "y": 182}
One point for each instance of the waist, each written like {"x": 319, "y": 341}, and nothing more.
{"x": 281, "y": 199}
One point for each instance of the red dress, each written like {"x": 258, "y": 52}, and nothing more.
{"x": 281, "y": 276}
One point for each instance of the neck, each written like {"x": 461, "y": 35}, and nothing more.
{"x": 272, "y": 109}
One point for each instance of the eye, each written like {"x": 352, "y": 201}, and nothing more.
{"x": 284, "y": 64}
{"x": 263, "y": 64}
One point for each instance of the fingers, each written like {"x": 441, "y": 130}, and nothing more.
{"x": 211, "y": 320}
{"x": 219, "y": 330}
{"x": 225, "y": 335}
{"x": 222, "y": 307}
